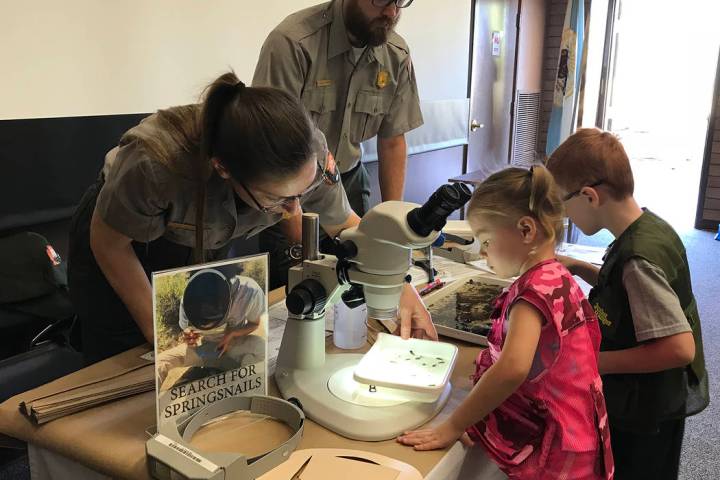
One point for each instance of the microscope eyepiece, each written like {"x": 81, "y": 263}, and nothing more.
{"x": 464, "y": 191}
{"x": 306, "y": 297}
{"x": 433, "y": 215}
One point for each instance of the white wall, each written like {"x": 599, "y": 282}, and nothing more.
{"x": 438, "y": 33}
{"x": 99, "y": 57}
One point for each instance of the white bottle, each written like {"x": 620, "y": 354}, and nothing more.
{"x": 350, "y": 330}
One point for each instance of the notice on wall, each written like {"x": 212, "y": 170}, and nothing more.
{"x": 496, "y": 42}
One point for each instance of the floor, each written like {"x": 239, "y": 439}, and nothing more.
{"x": 14, "y": 464}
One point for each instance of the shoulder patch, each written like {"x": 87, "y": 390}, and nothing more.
{"x": 398, "y": 42}
{"x": 306, "y": 22}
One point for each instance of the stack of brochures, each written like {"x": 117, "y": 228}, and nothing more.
{"x": 89, "y": 391}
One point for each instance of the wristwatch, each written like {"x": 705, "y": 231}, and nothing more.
{"x": 295, "y": 252}
{"x": 331, "y": 174}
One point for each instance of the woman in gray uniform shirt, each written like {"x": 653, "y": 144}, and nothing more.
{"x": 246, "y": 156}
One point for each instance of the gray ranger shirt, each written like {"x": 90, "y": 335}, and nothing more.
{"x": 144, "y": 199}
{"x": 309, "y": 56}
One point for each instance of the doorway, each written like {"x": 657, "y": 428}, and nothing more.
{"x": 492, "y": 84}
{"x": 649, "y": 79}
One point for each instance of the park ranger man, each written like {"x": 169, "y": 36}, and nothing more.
{"x": 354, "y": 75}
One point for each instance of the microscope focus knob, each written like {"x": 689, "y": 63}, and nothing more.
{"x": 354, "y": 296}
{"x": 346, "y": 249}
{"x": 342, "y": 250}
{"x": 306, "y": 297}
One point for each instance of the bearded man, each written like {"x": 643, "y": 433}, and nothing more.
{"x": 354, "y": 75}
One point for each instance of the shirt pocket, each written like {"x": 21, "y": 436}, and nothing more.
{"x": 180, "y": 233}
{"x": 184, "y": 234}
{"x": 321, "y": 103}
{"x": 370, "y": 110}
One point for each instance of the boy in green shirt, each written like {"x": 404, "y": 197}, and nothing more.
{"x": 651, "y": 356}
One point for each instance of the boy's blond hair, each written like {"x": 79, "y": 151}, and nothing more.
{"x": 515, "y": 192}
{"x": 589, "y": 156}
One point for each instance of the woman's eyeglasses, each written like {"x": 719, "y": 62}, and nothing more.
{"x": 283, "y": 203}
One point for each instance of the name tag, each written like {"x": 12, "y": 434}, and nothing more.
{"x": 323, "y": 83}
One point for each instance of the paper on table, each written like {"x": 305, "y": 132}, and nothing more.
{"x": 461, "y": 228}
{"x": 89, "y": 394}
{"x": 138, "y": 364}
{"x": 481, "y": 265}
{"x": 149, "y": 356}
{"x": 447, "y": 269}
{"x": 326, "y": 466}
{"x": 585, "y": 253}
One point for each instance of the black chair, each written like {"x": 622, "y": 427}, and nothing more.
{"x": 36, "y": 315}
{"x": 49, "y": 357}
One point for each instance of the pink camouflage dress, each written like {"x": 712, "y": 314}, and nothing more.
{"x": 554, "y": 426}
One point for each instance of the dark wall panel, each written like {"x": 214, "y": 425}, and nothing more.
{"x": 47, "y": 163}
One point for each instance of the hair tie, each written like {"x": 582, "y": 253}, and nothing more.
{"x": 531, "y": 202}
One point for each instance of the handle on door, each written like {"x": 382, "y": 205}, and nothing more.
{"x": 474, "y": 125}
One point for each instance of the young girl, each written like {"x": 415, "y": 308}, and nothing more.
{"x": 537, "y": 406}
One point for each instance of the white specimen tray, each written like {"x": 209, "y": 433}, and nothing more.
{"x": 422, "y": 367}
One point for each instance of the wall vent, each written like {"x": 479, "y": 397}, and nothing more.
{"x": 525, "y": 128}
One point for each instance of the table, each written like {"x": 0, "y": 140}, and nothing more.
{"x": 109, "y": 441}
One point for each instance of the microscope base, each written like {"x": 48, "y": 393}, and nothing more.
{"x": 363, "y": 416}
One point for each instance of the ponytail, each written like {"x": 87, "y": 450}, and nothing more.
{"x": 256, "y": 133}
{"x": 540, "y": 185}
{"x": 221, "y": 93}
{"x": 218, "y": 95}
{"x": 514, "y": 192}
{"x": 545, "y": 203}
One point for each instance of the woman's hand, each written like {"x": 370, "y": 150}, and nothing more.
{"x": 415, "y": 320}
{"x": 441, "y": 436}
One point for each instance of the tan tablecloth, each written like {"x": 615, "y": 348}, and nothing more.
{"x": 111, "y": 438}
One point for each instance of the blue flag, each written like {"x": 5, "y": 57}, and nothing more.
{"x": 567, "y": 79}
